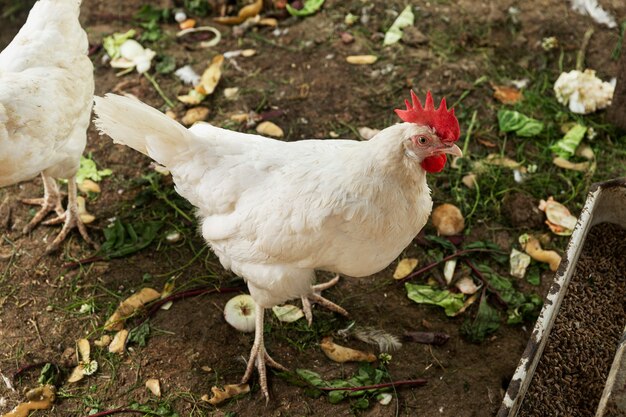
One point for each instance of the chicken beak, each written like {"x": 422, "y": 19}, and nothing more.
{"x": 451, "y": 149}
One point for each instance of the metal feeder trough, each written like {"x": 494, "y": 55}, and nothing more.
{"x": 606, "y": 202}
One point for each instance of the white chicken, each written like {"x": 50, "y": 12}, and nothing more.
{"x": 274, "y": 212}
{"x": 46, "y": 94}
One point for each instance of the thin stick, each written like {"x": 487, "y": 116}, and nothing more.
{"x": 120, "y": 410}
{"x": 406, "y": 383}
{"x": 580, "y": 57}
{"x": 158, "y": 90}
{"x": 447, "y": 258}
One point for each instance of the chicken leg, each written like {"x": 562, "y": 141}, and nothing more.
{"x": 70, "y": 218}
{"x": 315, "y": 297}
{"x": 50, "y": 201}
{"x": 259, "y": 356}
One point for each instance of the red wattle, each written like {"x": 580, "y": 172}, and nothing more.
{"x": 435, "y": 163}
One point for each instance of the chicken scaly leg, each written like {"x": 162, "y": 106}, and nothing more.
{"x": 315, "y": 297}
{"x": 71, "y": 219}
{"x": 50, "y": 201}
{"x": 259, "y": 356}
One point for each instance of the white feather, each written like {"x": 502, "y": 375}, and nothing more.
{"x": 595, "y": 11}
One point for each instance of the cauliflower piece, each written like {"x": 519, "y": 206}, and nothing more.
{"x": 583, "y": 92}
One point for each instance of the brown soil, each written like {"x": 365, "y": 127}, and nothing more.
{"x": 571, "y": 374}
{"x": 302, "y": 72}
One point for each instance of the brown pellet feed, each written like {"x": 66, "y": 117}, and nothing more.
{"x": 571, "y": 374}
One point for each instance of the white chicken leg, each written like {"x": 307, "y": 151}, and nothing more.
{"x": 51, "y": 200}
{"x": 315, "y": 297}
{"x": 259, "y": 356}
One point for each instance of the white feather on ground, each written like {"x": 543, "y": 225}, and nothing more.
{"x": 595, "y": 11}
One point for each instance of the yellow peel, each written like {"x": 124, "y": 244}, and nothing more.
{"x": 246, "y": 12}
{"x": 531, "y": 246}
{"x": 89, "y": 186}
{"x": 40, "y": 398}
{"x": 229, "y": 391}
{"x": 129, "y": 306}
{"x": 85, "y": 217}
{"x": 405, "y": 267}
{"x": 361, "y": 59}
{"x": 211, "y": 76}
{"x": 270, "y": 129}
{"x": 343, "y": 354}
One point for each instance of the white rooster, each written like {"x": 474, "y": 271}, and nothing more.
{"x": 274, "y": 212}
{"x": 46, "y": 93}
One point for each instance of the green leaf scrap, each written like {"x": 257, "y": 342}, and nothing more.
{"x": 89, "y": 170}
{"x": 123, "y": 239}
{"x": 513, "y": 121}
{"x": 404, "y": 19}
{"x": 113, "y": 42}
{"x": 310, "y": 7}
{"x": 425, "y": 294}
{"x": 566, "y": 147}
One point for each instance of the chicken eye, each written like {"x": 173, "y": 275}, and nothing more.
{"x": 422, "y": 140}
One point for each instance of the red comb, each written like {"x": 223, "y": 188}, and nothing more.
{"x": 442, "y": 120}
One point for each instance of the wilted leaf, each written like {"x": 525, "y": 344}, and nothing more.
{"x": 566, "y": 147}
{"x": 506, "y": 95}
{"x": 288, "y": 313}
{"x": 404, "y": 19}
{"x": 129, "y": 306}
{"x": 512, "y": 121}
{"x": 343, "y": 354}
{"x": 310, "y": 7}
{"x": 229, "y": 391}
{"x": 405, "y": 267}
{"x": 425, "y": 294}
{"x": 166, "y": 65}
{"x": 487, "y": 321}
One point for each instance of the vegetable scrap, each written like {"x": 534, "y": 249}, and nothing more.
{"x": 341, "y": 354}
{"x": 240, "y": 313}
{"x": 559, "y": 218}
{"x": 583, "y": 92}
{"x": 404, "y": 19}
{"x": 531, "y": 246}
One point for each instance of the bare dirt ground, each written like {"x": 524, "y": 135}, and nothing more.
{"x": 303, "y": 73}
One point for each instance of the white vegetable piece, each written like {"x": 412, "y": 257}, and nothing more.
{"x": 583, "y": 92}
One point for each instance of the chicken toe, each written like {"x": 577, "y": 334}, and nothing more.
{"x": 259, "y": 356}
{"x": 51, "y": 201}
{"x": 71, "y": 219}
{"x": 315, "y": 297}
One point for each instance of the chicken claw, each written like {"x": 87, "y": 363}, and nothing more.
{"x": 71, "y": 219}
{"x": 317, "y": 298}
{"x": 259, "y": 356}
{"x": 51, "y": 201}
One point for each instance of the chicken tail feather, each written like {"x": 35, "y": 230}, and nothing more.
{"x": 135, "y": 124}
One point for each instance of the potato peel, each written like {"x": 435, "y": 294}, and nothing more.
{"x": 246, "y": 12}
{"x": 40, "y": 398}
{"x": 129, "y": 306}
{"x": 229, "y": 391}
{"x": 531, "y": 246}
{"x": 448, "y": 220}
{"x": 343, "y": 354}
{"x": 405, "y": 267}
{"x": 119, "y": 341}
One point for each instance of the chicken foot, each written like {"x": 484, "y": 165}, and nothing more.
{"x": 50, "y": 201}
{"x": 259, "y": 356}
{"x": 70, "y": 218}
{"x": 315, "y": 297}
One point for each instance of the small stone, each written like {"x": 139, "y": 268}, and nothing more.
{"x": 347, "y": 38}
